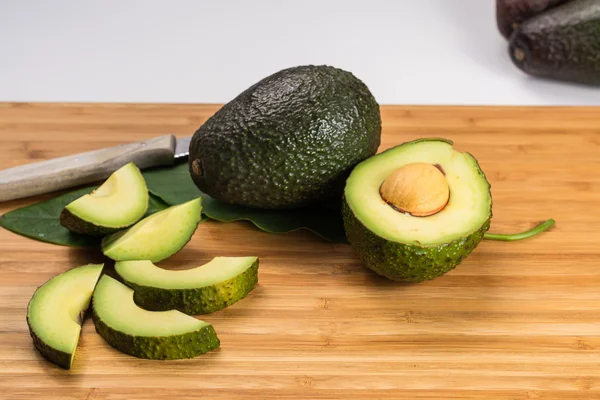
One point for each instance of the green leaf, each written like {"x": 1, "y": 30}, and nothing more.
{"x": 324, "y": 223}
{"x": 155, "y": 204}
{"x": 41, "y": 221}
{"x": 175, "y": 186}
{"x": 170, "y": 186}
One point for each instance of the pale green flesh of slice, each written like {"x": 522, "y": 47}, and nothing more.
{"x": 114, "y": 305}
{"x": 467, "y": 209}
{"x": 55, "y": 309}
{"x": 219, "y": 269}
{"x": 155, "y": 237}
{"x": 120, "y": 201}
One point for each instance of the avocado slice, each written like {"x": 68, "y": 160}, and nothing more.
{"x": 158, "y": 335}
{"x": 562, "y": 43}
{"x": 118, "y": 203}
{"x": 55, "y": 312}
{"x": 156, "y": 237}
{"x": 408, "y": 224}
{"x": 288, "y": 141}
{"x": 201, "y": 290}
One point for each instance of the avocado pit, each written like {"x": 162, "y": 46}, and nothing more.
{"x": 419, "y": 189}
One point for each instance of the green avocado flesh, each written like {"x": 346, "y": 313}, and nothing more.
{"x": 201, "y": 290}
{"x": 119, "y": 202}
{"x": 157, "y": 236}
{"x": 159, "y": 335}
{"x": 406, "y": 248}
{"x": 56, "y": 310}
{"x": 288, "y": 141}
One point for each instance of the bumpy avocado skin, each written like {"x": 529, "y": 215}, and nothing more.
{"x": 197, "y": 301}
{"x": 288, "y": 141}
{"x": 58, "y": 357}
{"x": 562, "y": 43}
{"x": 403, "y": 262}
{"x": 78, "y": 225}
{"x": 188, "y": 345}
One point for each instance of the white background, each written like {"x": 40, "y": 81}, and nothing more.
{"x": 181, "y": 51}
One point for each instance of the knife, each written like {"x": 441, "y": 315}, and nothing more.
{"x": 78, "y": 169}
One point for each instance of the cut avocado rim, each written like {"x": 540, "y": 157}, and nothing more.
{"x": 363, "y": 198}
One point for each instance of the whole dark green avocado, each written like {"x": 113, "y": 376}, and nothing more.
{"x": 511, "y": 13}
{"x": 562, "y": 43}
{"x": 288, "y": 141}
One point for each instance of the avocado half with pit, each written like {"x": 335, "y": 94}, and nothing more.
{"x": 156, "y": 237}
{"x": 415, "y": 211}
{"x": 55, "y": 312}
{"x": 118, "y": 203}
{"x": 201, "y": 290}
{"x": 159, "y": 335}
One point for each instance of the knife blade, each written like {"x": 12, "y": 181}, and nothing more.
{"x": 78, "y": 169}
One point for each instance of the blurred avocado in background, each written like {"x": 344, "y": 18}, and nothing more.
{"x": 553, "y": 39}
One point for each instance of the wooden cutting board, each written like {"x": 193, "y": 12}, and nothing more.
{"x": 516, "y": 320}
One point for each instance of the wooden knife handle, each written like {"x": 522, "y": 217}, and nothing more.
{"x": 65, "y": 172}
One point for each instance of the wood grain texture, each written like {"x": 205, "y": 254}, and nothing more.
{"x": 46, "y": 176}
{"x": 515, "y": 321}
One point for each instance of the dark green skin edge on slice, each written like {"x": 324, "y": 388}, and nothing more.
{"x": 78, "y": 225}
{"x": 203, "y": 300}
{"x": 58, "y": 357}
{"x": 404, "y": 262}
{"x": 188, "y": 345}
